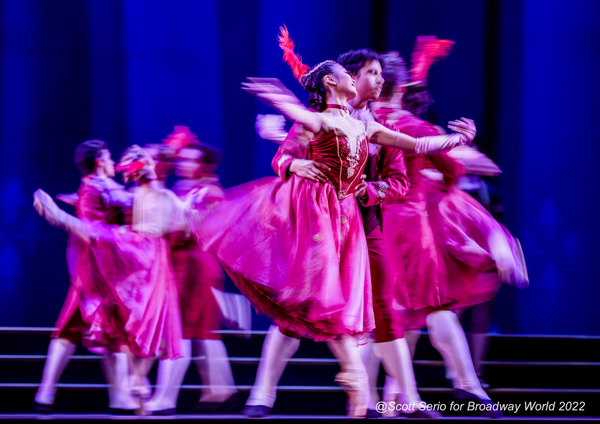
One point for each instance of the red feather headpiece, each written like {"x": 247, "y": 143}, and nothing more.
{"x": 427, "y": 50}
{"x": 294, "y": 60}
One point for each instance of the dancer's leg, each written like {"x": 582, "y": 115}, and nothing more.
{"x": 170, "y": 375}
{"x": 215, "y": 372}
{"x": 122, "y": 398}
{"x": 397, "y": 363}
{"x": 353, "y": 376}
{"x": 276, "y": 352}
{"x": 412, "y": 338}
{"x": 372, "y": 365}
{"x": 479, "y": 335}
{"x": 448, "y": 337}
{"x": 59, "y": 353}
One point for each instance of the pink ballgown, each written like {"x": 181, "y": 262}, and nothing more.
{"x": 297, "y": 248}
{"x": 131, "y": 294}
{"x": 437, "y": 237}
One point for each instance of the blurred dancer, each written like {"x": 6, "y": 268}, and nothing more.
{"x": 196, "y": 273}
{"x": 478, "y": 165}
{"x": 133, "y": 287}
{"x": 164, "y": 157}
{"x": 99, "y": 198}
{"x": 297, "y": 248}
{"x": 435, "y": 271}
{"x": 365, "y": 66}
{"x": 387, "y": 181}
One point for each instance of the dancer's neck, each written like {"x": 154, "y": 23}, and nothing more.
{"x": 358, "y": 103}
{"x": 334, "y": 99}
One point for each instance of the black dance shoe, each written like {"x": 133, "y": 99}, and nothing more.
{"x": 423, "y": 414}
{"x": 488, "y": 411}
{"x": 256, "y": 411}
{"x": 121, "y": 412}
{"x": 165, "y": 412}
{"x": 372, "y": 413}
{"x": 233, "y": 405}
{"x": 40, "y": 408}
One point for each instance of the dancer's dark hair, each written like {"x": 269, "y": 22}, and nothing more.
{"x": 354, "y": 60}
{"x": 87, "y": 153}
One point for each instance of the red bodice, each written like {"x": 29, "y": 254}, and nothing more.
{"x": 332, "y": 148}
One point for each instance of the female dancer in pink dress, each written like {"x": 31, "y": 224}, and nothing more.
{"x": 99, "y": 198}
{"x": 447, "y": 251}
{"x": 297, "y": 248}
{"x": 137, "y": 310}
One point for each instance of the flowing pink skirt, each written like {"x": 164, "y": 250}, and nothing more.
{"x": 196, "y": 272}
{"x": 441, "y": 255}
{"x": 296, "y": 252}
{"x": 130, "y": 297}
{"x": 463, "y": 228}
{"x": 70, "y": 324}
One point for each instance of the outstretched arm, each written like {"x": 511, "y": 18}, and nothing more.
{"x": 272, "y": 92}
{"x": 465, "y": 133}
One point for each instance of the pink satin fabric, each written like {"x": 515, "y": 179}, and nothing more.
{"x": 138, "y": 303}
{"x": 297, "y": 248}
{"x": 436, "y": 236}
{"x": 196, "y": 271}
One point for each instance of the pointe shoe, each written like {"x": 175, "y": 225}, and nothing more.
{"x": 354, "y": 385}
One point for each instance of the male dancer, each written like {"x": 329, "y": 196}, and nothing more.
{"x": 100, "y": 198}
{"x": 197, "y": 273}
{"x": 445, "y": 331}
{"x": 365, "y": 67}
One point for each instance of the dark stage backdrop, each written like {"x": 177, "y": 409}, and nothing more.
{"x": 127, "y": 71}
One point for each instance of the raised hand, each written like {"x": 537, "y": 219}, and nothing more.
{"x": 465, "y": 127}
{"x": 273, "y": 93}
{"x": 271, "y": 127}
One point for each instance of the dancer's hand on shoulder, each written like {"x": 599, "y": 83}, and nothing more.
{"x": 310, "y": 170}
